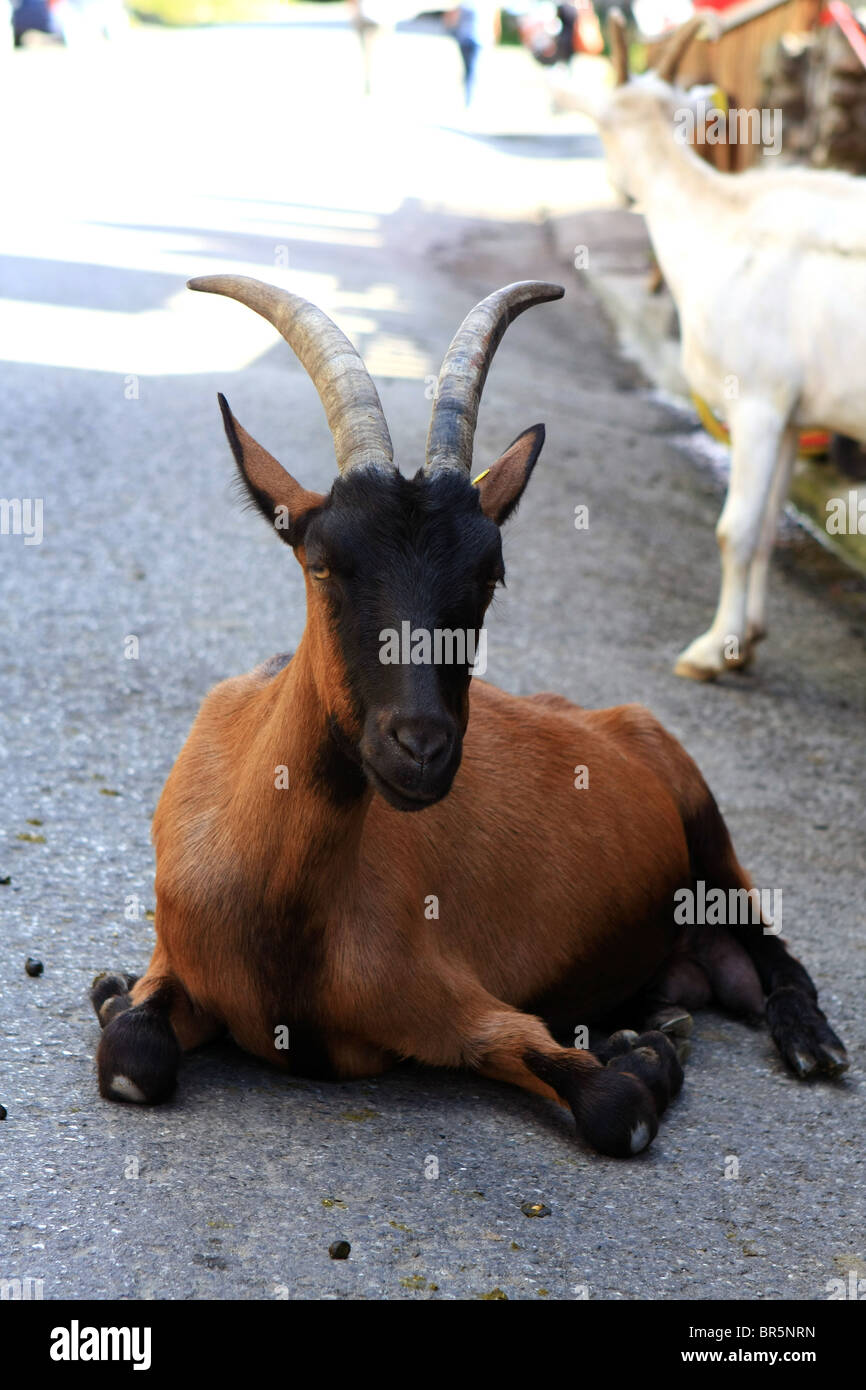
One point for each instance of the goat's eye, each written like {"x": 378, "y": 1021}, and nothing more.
{"x": 321, "y": 572}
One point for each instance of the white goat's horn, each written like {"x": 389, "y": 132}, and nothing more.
{"x": 351, "y": 401}
{"x": 464, "y": 371}
{"x": 675, "y": 49}
{"x": 616, "y": 32}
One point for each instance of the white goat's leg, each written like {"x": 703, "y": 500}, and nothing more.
{"x": 756, "y": 600}
{"x": 756, "y": 434}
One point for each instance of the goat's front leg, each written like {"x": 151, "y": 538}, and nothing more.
{"x": 146, "y": 1024}
{"x": 616, "y": 1110}
{"x": 757, "y": 431}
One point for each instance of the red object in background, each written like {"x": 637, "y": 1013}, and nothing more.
{"x": 850, "y": 28}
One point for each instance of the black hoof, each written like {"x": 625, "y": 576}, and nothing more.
{"x": 673, "y": 1020}
{"x": 109, "y": 994}
{"x": 615, "y": 1113}
{"x": 803, "y": 1036}
{"x": 138, "y": 1057}
{"x": 654, "y": 1061}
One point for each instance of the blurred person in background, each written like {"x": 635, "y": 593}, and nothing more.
{"x": 69, "y": 21}
{"x": 476, "y": 25}
{"x": 553, "y": 34}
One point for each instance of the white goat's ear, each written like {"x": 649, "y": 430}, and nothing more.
{"x": 500, "y": 486}
{"x": 583, "y": 99}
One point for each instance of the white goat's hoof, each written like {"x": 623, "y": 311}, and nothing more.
{"x": 703, "y": 659}
{"x": 691, "y": 671}
{"x": 739, "y": 663}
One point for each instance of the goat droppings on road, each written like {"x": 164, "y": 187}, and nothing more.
{"x": 535, "y": 1209}
{"x": 340, "y": 1250}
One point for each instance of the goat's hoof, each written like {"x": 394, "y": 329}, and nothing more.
{"x": 138, "y": 1057}
{"x": 674, "y": 1021}
{"x": 741, "y": 662}
{"x": 692, "y": 672}
{"x": 615, "y": 1113}
{"x": 109, "y": 994}
{"x": 654, "y": 1061}
{"x": 803, "y": 1036}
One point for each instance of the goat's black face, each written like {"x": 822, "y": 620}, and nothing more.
{"x": 399, "y": 575}
{"x": 405, "y": 569}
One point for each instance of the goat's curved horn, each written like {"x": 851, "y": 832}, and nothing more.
{"x": 351, "y": 401}
{"x": 675, "y": 49}
{"x": 464, "y": 371}
{"x": 616, "y": 33}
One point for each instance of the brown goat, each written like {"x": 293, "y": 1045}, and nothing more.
{"x": 298, "y": 902}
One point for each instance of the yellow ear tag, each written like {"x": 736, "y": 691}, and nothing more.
{"x": 476, "y": 481}
{"x": 720, "y": 100}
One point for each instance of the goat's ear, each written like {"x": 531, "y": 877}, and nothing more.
{"x": 279, "y": 498}
{"x": 501, "y": 486}
{"x": 588, "y": 103}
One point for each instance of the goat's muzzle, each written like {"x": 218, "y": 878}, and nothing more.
{"x": 411, "y": 759}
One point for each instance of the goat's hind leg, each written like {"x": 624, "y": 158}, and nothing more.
{"x": 797, "y": 1025}
{"x": 757, "y": 432}
{"x": 756, "y": 599}
{"x": 748, "y": 966}
{"x": 146, "y": 1024}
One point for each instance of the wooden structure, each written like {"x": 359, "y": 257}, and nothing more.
{"x": 733, "y": 60}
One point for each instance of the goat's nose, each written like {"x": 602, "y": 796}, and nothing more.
{"x": 422, "y": 739}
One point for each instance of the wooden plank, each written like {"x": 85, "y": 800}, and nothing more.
{"x": 733, "y": 61}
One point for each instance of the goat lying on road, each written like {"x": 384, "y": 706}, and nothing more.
{"x": 768, "y": 271}
{"x": 300, "y": 902}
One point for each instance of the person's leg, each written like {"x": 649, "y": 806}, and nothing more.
{"x": 469, "y": 51}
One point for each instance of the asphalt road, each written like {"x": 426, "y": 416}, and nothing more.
{"x": 254, "y": 152}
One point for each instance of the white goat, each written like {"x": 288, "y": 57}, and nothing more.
{"x": 768, "y": 272}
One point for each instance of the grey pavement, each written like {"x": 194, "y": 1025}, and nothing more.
{"x": 244, "y": 151}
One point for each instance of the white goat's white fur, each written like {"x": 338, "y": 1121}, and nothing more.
{"x": 768, "y": 271}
